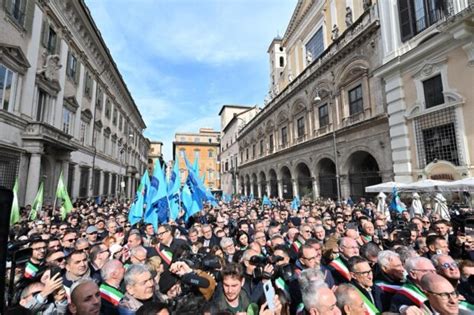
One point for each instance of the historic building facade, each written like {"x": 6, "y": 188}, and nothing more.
{"x": 324, "y": 129}
{"x": 428, "y": 53}
{"x": 203, "y": 146}
{"x": 233, "y": 118}
{"x": 64, "y": 105}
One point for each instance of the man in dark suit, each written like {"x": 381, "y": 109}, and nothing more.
{"x": 209, "y": 239}
{"x": 168, "y": 247}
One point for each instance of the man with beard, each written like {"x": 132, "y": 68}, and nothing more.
{"x": 56, "y": 259}
{"x": 348, "y": 248}
{"x": 232, "y": 299}
{"x": 85, "y": 298}
{"x": 38, "y": 253}
{"x": 77, "y": 268}
{"x": 390, "y": 276}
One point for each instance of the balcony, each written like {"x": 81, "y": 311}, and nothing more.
{"x": 42, "y": 132}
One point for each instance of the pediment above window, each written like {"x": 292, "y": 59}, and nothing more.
{"x": 429, "y": 67}
{"x": 86, "y": 115}
{"x": 14, "y": 58}
{"x": 71, "y": 103}
{"x": 98, "y": 124}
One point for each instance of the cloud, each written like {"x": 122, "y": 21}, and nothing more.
{"x": 183, "y": 59}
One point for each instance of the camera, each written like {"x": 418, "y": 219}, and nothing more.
{"x": 260, "y": 262}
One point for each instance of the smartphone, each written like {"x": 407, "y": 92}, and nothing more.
{"x": 269, "y": 291}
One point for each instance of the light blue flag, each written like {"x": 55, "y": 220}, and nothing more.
{"x": 295, "y": 204}
{"x": 196, "y": 186}
{"x": 396, "y": 204}
{"x": 157, "y": 202}
{"x": 173, "y": 191}
{"x": 266, "y": 201}
{"x": 251, "y": 197}
{"x": 136, "y": 210}
{"x": 191, "y": 203}
{"x": 195, "y": 166}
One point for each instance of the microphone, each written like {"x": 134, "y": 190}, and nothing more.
{"x": 195, "y": 280}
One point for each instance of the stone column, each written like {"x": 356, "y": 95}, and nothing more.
{"x": 252, "y": 192}
{"x": 235, "y": 189}
{"x": 246, "y": 193}
{"x": 294, "y": 182}
{"x": 315, "y": 188}
{"x": 280, "y": 188}
{"x": 269, "y": 192}
{"x": 101, "y": 182}
{"x": 129, "y": 187}
{"x": 259, "y": 189}
{"x": 345, "y": 186}
{"x": 90, "y": 184}
{"x": 34, "y": 169}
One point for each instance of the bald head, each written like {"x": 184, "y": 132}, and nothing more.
{"x": 441, "y": 294}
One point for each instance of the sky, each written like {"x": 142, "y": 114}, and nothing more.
{"x": 183, "y": 59}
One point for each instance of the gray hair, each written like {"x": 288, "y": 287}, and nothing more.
{"x": 343, "y": 295}
{"x": 310, "y": 293}
{"x": 406, "y": 253}
{"x": 249, "y": 253}
{"x": 139, "y": 249}
{"x": 81, "y": 241}
{"x": 412, "y": 263}
{"x": 226, "y": 241}
{"x": 77, "y": 284}
{"x": 133, "y": 271}
{"x": 436, "y": 258}
{"x": 310, "y": 275}
{"x": 384, "y": 257}
{"x": 109, "y": 267}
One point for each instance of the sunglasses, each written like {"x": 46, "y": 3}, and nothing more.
{"x": 60, "y": 259}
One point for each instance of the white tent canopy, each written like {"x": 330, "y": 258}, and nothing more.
{"x": 384, "y": 187}
{"x": 425, "y": 185}
{"x": 465, "y": 184}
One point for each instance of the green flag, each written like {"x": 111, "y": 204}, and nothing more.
{"x": 37, "y": 203}
{"x": 61, "y": 193}
{"x": 15, "y": 214}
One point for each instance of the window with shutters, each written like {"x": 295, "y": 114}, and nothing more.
{"x": 16, "y": 10}
{"x": 114, "y": 118}
{"x": 417, "y": 15}
{"x": 99, "y": 99}
{"x": 50, "y": 39}
{"x": 247, "y": 154}
{"x": 270, "y": 142}
{"x": 42, "y": 108}
{"x": 356, "y": 103}
{"x": 108, "y": 108}
{"x": 68, "y": 120}
{"x": 261, "y": 147}
{"x": 433, "y": 90}
{"x": 300, "y": 127}
{"x": 84, "y": 132}
{"x": 8, "y": 81}
{"x": 323, "y": 115}
{"x": 88, "y": 85}
{"x": 284, "y": 136}
{"x": 72, "y": 70}
{"x": 253, "y": 151}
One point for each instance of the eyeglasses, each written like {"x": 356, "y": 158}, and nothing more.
{"x": 452, "y": 265}
{"x": 307, "y": 231}
{"x": 445, "y": 295}
{"x": 92, "y": 233}
{"x": 161, "y": 233}
{"x": 310, "y": 258}
{"x": 363, "y": 273}
{"x": 84, "y": 249}
{"x": 39, "y": 248}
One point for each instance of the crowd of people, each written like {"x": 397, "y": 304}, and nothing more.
{"x": 243, "y": 257}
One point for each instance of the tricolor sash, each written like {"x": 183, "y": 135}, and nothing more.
{"x": 466, "y": 306}
{"x": 281, "y": 284}
{"x": 370, "y": 308}
{"x": 110, "y": 294}
{"x": 300, "y": 309}
{"x": 296, "y": 245}
{"x": 166, "y": 255}
{"x": 387, "y": 287}
{"x": 339, "y": 265}
{"x": 412, "y": 292}
{"x": 30, "y": 270}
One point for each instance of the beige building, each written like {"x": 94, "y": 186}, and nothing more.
{"x": 203, "y": 146}
{"x": 64, "y": 106}
{"x": 324, "y": 129}
{"x": 233, "y": 118}
{"x": 428, "y": 70}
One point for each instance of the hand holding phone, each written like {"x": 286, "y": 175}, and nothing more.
{"x": 269, "y": 291}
